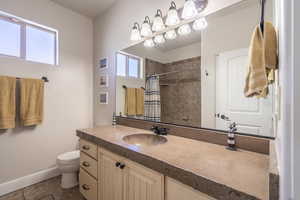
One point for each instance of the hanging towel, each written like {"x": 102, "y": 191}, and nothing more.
{"x": 262, "y": 61}
{"x": 32, "y": 101}
{"x": 271, "y": 51}
{"x": 7, "y": 102}
{"x": 140, "y": 101}
{"x": 130, "y": 102}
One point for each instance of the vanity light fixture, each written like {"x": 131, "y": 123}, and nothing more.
{"x": 200, "y": 24}
{"x": 146, "y": 28}
{"x": 170, "y": 35}
{"x": 149, "y": 43}
{"x": 135, "y": 32}
{"x": 159, "y": 39}
{"x": 184, "y": 29}
{"x": 172, "y": 17}
{"x": 189, "y": 10}
{"x": 158, "y": 22}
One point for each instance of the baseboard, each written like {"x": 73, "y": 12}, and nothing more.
{"x": 14, "y": 185}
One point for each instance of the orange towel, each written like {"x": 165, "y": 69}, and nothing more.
{"x": 7, "y": 102}
{"x": 32, "y": 101}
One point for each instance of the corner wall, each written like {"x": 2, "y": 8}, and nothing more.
{"x": 68, "y": 95}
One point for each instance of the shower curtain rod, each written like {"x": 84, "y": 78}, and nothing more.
{"x": 173, "y": 72}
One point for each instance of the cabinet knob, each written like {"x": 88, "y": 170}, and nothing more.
{"x": 85, "y": 187}
{"x": 118, "y": 164}
{"x": 85, "y": 147}
{"x": 86, "y": 164}
{"x": 122, "y": 166}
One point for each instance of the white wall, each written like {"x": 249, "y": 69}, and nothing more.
{"x": 68, "y": 95}
{"x": 112, "y": 33}
{"x": 288, "y": 140}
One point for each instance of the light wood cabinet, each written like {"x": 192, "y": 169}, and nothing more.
{"x": 110, "y": 182}
{"x": 88, "y": 185}
{"x": 178, "y": 191}
{"x": 107, "y": 176}
{"x": 121, "y": 179}
{"x": 141, "y": 183}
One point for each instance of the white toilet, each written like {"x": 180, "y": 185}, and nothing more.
{"x": 69, "y": 163}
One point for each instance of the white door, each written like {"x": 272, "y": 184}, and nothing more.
{"x": 253, "y": 115}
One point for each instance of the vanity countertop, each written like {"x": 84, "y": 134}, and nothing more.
{"x": 210, "y": 168}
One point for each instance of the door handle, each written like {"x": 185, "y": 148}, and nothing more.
{"x": 118, "y": 164}
{"x": 85, "y": 187}
{"x": 86, "y": 164}
{"x": 85, "y": 147}
{"x": 122, "y": 166}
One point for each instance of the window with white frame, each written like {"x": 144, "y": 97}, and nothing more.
{"x": 129, "y": 66}
{"x": 27, "y": 40}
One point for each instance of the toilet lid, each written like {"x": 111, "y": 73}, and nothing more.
{"x": 69, "y": 156}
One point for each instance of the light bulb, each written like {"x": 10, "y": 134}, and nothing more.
{"x": 146, "y": 28}
{"x": 135, "y": 33}
{"x": 159, "y": 39}
{"x": 172, "y": 17}
{"x": 184, "y": 29}
{"x": 200, "y": 24}
{"x": 149, "y": 43}
{"x": 189, "y": 10}
{"x": 158, "y": 22}
{"x": 171, "y": 35}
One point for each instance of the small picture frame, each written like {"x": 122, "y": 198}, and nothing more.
{"x": 103, "y": 64}
{"x": 103, "y": 81}
{"x": 103, "y": 98}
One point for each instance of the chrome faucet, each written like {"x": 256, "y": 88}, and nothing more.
{"x": 159, "y": 130}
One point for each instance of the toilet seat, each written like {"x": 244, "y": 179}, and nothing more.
{"x": 69, "y": 157}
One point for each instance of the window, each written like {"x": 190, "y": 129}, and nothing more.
{"x": 121, "y": 63}
{"x": 129, "y": 66}
{"x": 26, "y": 40}
{"x": 10, "y": 38}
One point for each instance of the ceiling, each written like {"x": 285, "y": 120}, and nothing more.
{"x": 90, "y": 8}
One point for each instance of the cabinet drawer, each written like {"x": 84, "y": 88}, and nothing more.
{"x": 89, "y": 164}
{"x": 88, "y": 148}
{"x": 88, "y": 186}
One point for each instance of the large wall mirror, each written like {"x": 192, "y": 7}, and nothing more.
{"x": 198, "y": 79}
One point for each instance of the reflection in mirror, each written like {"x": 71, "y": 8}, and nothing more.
{"x": 198, "y": 79}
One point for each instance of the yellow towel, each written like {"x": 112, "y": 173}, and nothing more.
{"x": 32, "y": 101}
{"x": 130, "y": 101}
{"x": 7, "y": 102}
{"x": 140, "y": 101}
{"x": 262, "y": 61}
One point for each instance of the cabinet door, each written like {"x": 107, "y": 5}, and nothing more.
{"x": 141, "y": 183}
{"x": 111, "y": 177}
{"x": 178, "y": 191}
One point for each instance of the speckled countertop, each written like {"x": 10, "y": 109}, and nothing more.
{"x": 207, "y": 167}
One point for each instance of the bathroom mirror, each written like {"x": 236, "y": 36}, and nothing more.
{"x": 198, "y": 79}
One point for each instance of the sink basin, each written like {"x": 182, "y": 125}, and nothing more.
{"x": 145, "y": 139}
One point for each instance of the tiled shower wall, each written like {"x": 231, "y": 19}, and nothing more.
{"x": 180, "y": 92}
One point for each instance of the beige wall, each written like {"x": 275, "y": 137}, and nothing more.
{"x": 112, "y": 33}
{"x": 68, "y": 95}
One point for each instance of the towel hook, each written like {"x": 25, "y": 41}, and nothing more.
{"x": 262, "y": 17}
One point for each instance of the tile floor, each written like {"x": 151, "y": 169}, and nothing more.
{"x": 47, "y": 190}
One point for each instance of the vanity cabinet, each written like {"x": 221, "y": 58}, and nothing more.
{"x": 129, "y": 180}
{"x": 88, "y": 174}
{"x": 107, "y": 176}
{"x": 178, "y": 191}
